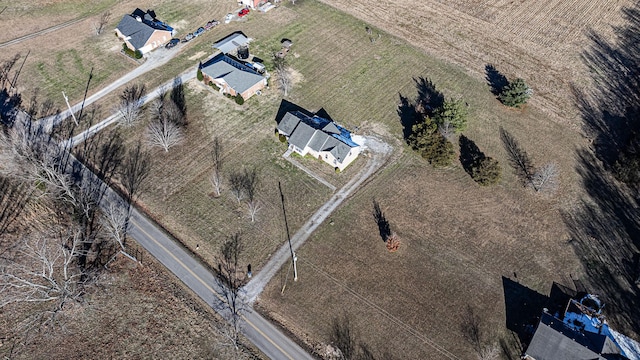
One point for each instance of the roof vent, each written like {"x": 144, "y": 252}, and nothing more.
{"x": 138, "y": 18}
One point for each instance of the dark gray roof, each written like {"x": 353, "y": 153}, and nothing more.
{"x": 553, "y": 340}
{"x": 239, "y": 76}
{"x": 138, "y": 31}
{"x": 301, "y": 136}
{"x": 317, "y": 133}
{"x": 288, "y": 123}
{"x": 231, "y": 42}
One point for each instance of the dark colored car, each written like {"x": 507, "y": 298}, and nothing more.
{"x": 243, "y": 12}
{"x": 211, "y": 24}
{"x": 198, "y": 32}
{"x": 172, "y": 43}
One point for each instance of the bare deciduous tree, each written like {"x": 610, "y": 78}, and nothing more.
{"x": 102, "y": 22}
{"x": 250, "y": 183}
{"x": 446, "y": 130}
{"x": 163, "y": 132}
{"x": 518, "y": 157}
{"x": 231, "y": 283}
{"x": 130, "y": 104}
{"x": 43, "y": 271}
{"x": 236, "y": 182}
{"x": 115, "y": 220}
{"x": 489, "y": 352}
{"x": 134, "y": 172}
{"x": 216, "y": 174}
{"x": 546, "y": 179}
{"x": 283, "y": 75}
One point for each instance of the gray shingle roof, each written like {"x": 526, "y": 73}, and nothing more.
{"x": 239, "y": 77}
{"x": 553, "y": 340}
{"x": 231, "y": 42}
{"x": 139, "y": 32}
{"x": 317, "y": 133}
{"x": 288, "y": 123}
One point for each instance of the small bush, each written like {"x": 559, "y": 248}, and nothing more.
{"x": 214, "y": 86}
{"x": 282, "y": 138}
{"x": 239, "y": 99}
{"x": 199, "y": 75}
{"x": 137, "y": 54}
{"x": 337, "y": 169}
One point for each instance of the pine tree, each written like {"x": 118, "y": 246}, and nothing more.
{"x": 515, "y": 94}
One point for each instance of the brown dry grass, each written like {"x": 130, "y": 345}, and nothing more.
{"x": 134, "y": 312}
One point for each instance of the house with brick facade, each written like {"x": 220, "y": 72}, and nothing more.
{"x": 232, "y": 77}
{"x": 141, "y": 31}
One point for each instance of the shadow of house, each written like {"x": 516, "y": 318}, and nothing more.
{"x": 523, "y": 307}
{"x": 287, "y": 106}
{"x": 496, "y": 81}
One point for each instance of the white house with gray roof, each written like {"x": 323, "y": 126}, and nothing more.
{"x": 141, "y": 31}
{"x": 232, "y": 77}
{"x": 320, "y": 138}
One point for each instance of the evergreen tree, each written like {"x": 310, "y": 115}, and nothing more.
{"x": 430, "y": 144}
{"x": 452, "y": 112}
{"x": 515, "y": 94}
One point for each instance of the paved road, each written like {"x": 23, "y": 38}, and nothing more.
{"x": 380, "y": 153}
{"x": 155, "y": 59}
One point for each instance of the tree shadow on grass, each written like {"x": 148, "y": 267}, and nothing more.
{"x": 412, "y": 111}
{"x": 605, "y": 234}
{"x": 605, "y": 225}
{"x": 470, "y": 154}
{"x": 611, "y": 113}
{"x": 381, "y": 220}
{"x": 497, "y": 82}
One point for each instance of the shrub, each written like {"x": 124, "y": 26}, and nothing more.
{"x": 199, "y": 75}
{"x": 137, "y": 54}
{"x": 486, "y": 171}
{"x": 214, "y": 86}
{"x": 239, "y": 99}
{"x": 282, "y": 138}
{"x": 337, "y": 169}
{"x": 515, "y": 94}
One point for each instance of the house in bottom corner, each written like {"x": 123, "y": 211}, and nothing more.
{"x": 320, "y": 137}
{"x": 232, "y": 77}
{"x": 580, "y": 333}
{"x": 141, "y": 31}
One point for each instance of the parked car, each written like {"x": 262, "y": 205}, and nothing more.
{"x": 228, "y": 18}
{"x": 188, "y": 37}
{"x": 243, "y": 12}
{"x": 198, "y": 32}
{"x": 172, "y": 43}
{"x": 211, "y": 24}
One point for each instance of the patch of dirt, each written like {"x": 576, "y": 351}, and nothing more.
{"x": 198, "y": 55}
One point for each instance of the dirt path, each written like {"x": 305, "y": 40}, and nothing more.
{"x": 41, "y": 32}
{"x": 380, "y": 153}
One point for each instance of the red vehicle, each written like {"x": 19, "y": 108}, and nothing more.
{"x": 243, "y": 12}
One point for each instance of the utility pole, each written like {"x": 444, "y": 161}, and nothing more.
{"x": 294, "y": 258}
